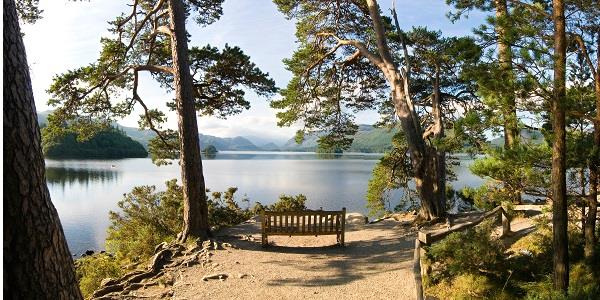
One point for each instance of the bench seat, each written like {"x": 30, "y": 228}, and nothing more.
{"x": 304, "y": 223}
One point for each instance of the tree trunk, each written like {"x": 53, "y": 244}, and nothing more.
{"x": 37, "y": 261}
{"x": 511, "y": 134}
{"x": 590, "y": 223}
{"x": 195, "y": 209}
{"x": 424, "y": 165}
{"x": 509, "y": 108}
{"x": 559, "y": 197}
{"x": 438, "y": 134}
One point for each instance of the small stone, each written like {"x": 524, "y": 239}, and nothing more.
{"x": 356, "y": 219}
{"x": 207, "y": 245}
{"x": 220, "y": 276}
{"x": 237, "y": 262}
{"x": 242, "y": 276}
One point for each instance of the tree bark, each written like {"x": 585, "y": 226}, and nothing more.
{"x": 424, "y": 164}
{"x": 195, "y": 209}
{"x": 509, "y": 109}
{"x": 428, "y": 177}
{"x": 590, "y": 223}
{"x": 37, "y": 261}
{"x": 438, "y": 134}
{"x": 559, "y": 197}
{"x": 511, "y": 134}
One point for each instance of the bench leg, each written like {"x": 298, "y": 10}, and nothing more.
{"x": 265, "y": 241}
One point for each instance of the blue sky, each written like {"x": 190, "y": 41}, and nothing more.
{"x": 69, "y": 34}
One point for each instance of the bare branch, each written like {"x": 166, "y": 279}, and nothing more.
{"x": 163, "y": 29}
{"x": 374, "y": 58}
{"x": 382, "y": 46}
{"x": 137, "y": 98}
{"x": 584, "y": 52}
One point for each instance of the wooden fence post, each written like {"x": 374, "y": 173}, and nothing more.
{"x": 505, "y": 223}
{"x": 417, "y": 270}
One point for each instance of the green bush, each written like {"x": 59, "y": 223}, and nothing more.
{"x": 90, "y": 271}
{"x": 223, "y": 210}
{"x": 473, "y": 251}
{"x": 148, "y": 218}
{"x": 468, "y": 286}
{"x": 289, "y": 203}
{"x": 582, "y": 286}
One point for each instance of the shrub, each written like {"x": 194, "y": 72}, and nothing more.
{"x": 468, "y": 286}
{"x": 582, "y": 286}
{"x": 473, "y": 251}
{"x": 289, "y": 203}
{"x": 148, "y": 218}
{"x": 90, "y": 271}
{"x": 223, "y": 210}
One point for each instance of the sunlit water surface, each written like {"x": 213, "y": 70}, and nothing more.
{"x": 84, "y": 191}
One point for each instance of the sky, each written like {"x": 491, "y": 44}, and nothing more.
{"x": 68, "y": 37}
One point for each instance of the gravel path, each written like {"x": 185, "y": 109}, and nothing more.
{"x": 375, "y": 264}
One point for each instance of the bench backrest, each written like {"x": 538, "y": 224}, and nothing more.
{"x": 304, "y": 222}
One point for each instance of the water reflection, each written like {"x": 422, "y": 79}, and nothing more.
{"x": 289, "y": 155}
{"x": 66, "y": 175}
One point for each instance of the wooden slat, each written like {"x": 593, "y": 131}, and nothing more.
{"x": 303, "y": 223}
{"x": 296, "y": 223}
{"x": 331, "y": 222}
{"x": 320, "y": 223}
{"x": 301, "y": 213}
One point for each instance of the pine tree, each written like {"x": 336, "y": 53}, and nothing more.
{"x": 153, "y": 39}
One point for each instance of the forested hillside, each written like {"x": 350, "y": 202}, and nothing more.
{"x": 107, "y": 144}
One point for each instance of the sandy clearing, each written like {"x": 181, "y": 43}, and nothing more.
{"x": 376, "y": 263}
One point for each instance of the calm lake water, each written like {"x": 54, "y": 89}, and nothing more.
{"x": 84, "y": 191}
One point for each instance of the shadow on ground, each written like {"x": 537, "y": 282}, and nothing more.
{"x": 376, "y": 249}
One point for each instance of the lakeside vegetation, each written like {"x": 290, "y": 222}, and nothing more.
{"x": 108, "y": 144}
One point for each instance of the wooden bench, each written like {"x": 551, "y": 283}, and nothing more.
{"x": 307, "y": 222}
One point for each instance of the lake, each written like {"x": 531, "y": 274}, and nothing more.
{"x": 84, "y": 191}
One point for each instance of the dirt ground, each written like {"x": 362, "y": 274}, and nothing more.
{"x": 376, "y": 263}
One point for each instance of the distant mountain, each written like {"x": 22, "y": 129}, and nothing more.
{"x": 222, "y": 144}
{"x": 261, "y": 140}
{"x": 270, "y": 147}
{"x": 140, "y": 136}
{"x": 232, "y": 144}
{"x": 371, "y": 139}
{"x": 527, "y": 135}
{"x": 42, "y": 117}
{"x": 367, "y": 139}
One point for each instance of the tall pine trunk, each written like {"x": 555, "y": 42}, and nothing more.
{"x": 559, "y": 197}
{"x": 37, "y": 261}
{"x": 195, "y": 209}
{"x": 590, "y": 223}
{"x": 511, "y": 133}
{"x": 509, "y": 108}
